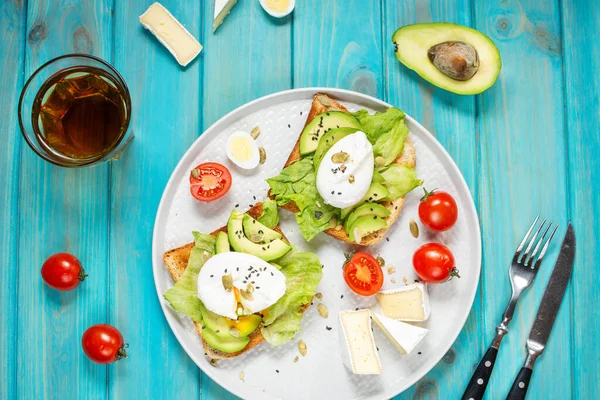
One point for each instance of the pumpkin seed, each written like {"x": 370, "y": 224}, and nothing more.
{"x": 323, "y": 310}
{"x": 247, "y": 295}
{"x": 380, "y": 260}
{"x": 333, "y": 223}
{"x": 255, "y": 132}
{"x": 318, "y": 204}
{"x": 256, "y": 238}
{"x": 324, "y": 100}
{"x": 351, "y": 179}
{"x": 296, "y": 359}
{"x": 379, "y": 161}
{"x": 302, "y": 348}
{"x": 227, "y": 280}
{"x": 262, "y": 154}
{"x": 242, "y": 376}
{"x": 414, "y": 228}
{"x": 319, "y": 296}
{"x": 391, "y": 270}
{"x": 235, "y": 332}
{"x": 195, "y": 173}
{"x": 357, "y": 235}
{"x": 213, "y": 362}
{"x": 340, "y": 157}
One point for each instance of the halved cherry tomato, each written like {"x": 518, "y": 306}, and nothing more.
{"x": 63, "y": 271}
{"x": 434, "y": 263}
{"x": 209, "y": 181}
{"x": 438, "y": 210}
{"x": 103, "y": 344}
{"x": 363, "y": 274}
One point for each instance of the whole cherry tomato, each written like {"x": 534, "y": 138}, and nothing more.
{"x": 434, "y": 263}
{"x": 438, "y": 210}
{"x": 363, "y": 274}
{"x": 103, "y": 344}
{"x": 63, "y": 271}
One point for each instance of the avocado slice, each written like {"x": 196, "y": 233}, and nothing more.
{"x": 328, "y": 140}
{"x": 222, "y": 244}
{"x": 240, "y": 243}
{"x": 322, "y": 123}
{"x": 225, "y": 327}
{"x": 377, "y": 177}
{"x": 377, "y": 192}
{"x": 227, "y": 344}
{"x": 364, "y": 226}
{"x": 450, "y": 56}
{"x": 368, "y": 209}
{"x": 257, "y": 232}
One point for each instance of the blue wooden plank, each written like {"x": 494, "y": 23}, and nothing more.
{"x": 581, "y": 25}
{"x": 165, "y": 121}
{"x": 451, "y": 118}
{"x": 12, "y": 31}
{"x": 522, "y": 173}
{"x": 61, "y": 210}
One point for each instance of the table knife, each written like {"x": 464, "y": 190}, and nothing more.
{"x": 544, "y": 320}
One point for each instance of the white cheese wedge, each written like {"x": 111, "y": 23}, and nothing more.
{"x": 222, "y": 9}
{"x": 171, "y": 33}
{"x": 409, "y": 303}
{"x": 360, "y": 353}
{"x": 404, "y": 336}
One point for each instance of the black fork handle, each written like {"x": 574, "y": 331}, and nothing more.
{"x": 479, "y": 381}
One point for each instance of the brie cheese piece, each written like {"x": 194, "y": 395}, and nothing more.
{"x": 171, "y": 33}
{"x": 360, "y": 353}
{"x": 409, "y": 303}
{"x": 222, "y": 9}
{"x": 404, "y": 336}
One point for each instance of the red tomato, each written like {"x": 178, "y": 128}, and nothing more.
{"x": 209, "y": 181}
{"x": 438, "y": 211}
{"x": 363, "y": 274}
{"x": 103, "y": 344}
{"x": 63, "y": 271}
{"x": 434, "y": 263}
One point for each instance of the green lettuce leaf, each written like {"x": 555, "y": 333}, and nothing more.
{"x": 313, "y": 220}
{"x": 183, "y": 296}
{"x": 399, "y": 180}
{"x": 303, "y": 273}
{"x": 270, "y": 215}
{"x": 386, "y": 131}
{"x": 281, "y": 185}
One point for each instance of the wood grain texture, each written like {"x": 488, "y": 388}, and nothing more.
{"x": 165, "y": 122}
{"x": 12, "y": 32}
{"x": 522, "y": 173}
{"x": 451, "y": 118}
{"x": 582, "y": 99}
{"x": 61, "y": 210}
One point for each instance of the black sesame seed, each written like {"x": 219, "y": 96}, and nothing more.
{"x": 253, "y": 221}
{"x": 375, "y": 217}
{"x": 237, "y": 269}
{"x": 252, "y": 282}
{"x": 217, "y": 331}
{"x": 254, "y": 197}
{"x": 264, "y": 249}
{"x": 272, "y": 274}
{"x": 419, "y": 353}
{"x": 289, "y": 126}
{"x": 277, "y": 370}
{"x": 333, "y": 192}
{"x": 388, "y": 239}
{"x": 237, "y": 205}
{"x": 250, "y": 205}
{"x": 328, "y": 328}
{"x": 342, "y": 296}
{"x": 211, "y": 276}
{"x": 260, "y": 232}
{"x": 356, "y": 309}
{"x": 375, "y": 194}
{"x": 258, "y": 287}
{"x": 225, "y": 270}
{"x": 245, "y": 282}
{"x": 377, "y": 348}
{"x": 300, "y": 112}
{"x": 339, "y": 193}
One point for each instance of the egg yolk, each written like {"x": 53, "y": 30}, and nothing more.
{"x": 241, "y": 148}
{"x": 278, "y": 5}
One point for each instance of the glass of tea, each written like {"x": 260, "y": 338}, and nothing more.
{"x": 75, "y": 110}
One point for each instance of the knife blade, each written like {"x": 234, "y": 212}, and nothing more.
{"x": 552, "y": 298}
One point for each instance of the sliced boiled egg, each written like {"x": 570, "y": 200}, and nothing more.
{"x": 242, "y": 150}
{"x": 232, "y": 284}
{"x": 345, "y": 174}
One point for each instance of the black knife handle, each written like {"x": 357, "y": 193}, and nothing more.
{"x": 479, "y": 381}
{"x": 520, "y": 385}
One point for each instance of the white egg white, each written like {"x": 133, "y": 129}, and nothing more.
{"x": 268, "y": 282}
{"x": 334, "y": 181}
{"x": 242, "y": 150}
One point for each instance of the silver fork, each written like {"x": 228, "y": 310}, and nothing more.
{"x": 523, "y": 269}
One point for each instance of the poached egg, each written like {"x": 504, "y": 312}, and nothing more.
{"x": 248, "y": 273}
{"x": 346, "y": 171}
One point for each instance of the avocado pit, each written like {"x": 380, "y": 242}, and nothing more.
{"x": 457, "y": 60}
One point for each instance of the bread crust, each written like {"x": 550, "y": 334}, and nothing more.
{"x": 323, "y": 103}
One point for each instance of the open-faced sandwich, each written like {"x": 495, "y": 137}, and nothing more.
{"x": 348, "y": 173}
{"x": 243, "y": 284}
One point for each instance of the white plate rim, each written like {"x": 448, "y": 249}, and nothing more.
{"x": 298, "y": 93}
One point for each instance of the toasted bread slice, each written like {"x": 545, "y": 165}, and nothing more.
{"x": 323, "y": 103}
{"x": 176, "y": 261}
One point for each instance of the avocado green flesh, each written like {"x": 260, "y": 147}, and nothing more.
{"x": 321, "y": 124}
{"x": 227, "y": 344}
{"x": 222, "y": 326}
{"x": 366, "y": 225}
{"x": 376, "y": 193}
{"x": 327, "y": 141}
{"x": 222, "y": 244}
{"x": 240, "y": 243}
{"x": 377, "y": 177}
{"x": 368, "y": 209}
{"x": 412, "y": 42}
{"x": 254, "y": 229}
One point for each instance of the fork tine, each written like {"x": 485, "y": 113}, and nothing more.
{"x": 530, "y": 245}
{"x": 539, "y": 260}
{"x": 531, "y": 257}
{"x": 522, "y": 244}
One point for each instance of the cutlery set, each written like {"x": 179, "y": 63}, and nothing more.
{"x": 523, "y": 270}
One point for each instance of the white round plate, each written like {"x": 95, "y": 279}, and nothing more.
{"x": 270, "y": 372}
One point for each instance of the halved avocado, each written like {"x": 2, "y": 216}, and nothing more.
{"x": 257, "y": 232}
{"x": 321, "y": 124}
{"x": 328, "y": 140}
{"x": 222, "y": 244}
{"x": 225, "y": 327}
{"x": 376, "y": 193}
{"x": 450, "y": 56}
{"x": 227, "y": 344}
{"x": 269, "y": 251}
{"x": 368, "y": 209}
{"x": 364, "y": 226}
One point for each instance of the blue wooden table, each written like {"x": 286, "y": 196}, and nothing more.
{"x": 528, "y": 145}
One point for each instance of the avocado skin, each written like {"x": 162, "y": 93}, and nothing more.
{"x": 376, "y": 193}
{"x": 366, "y": 225}
{"x": 369, "y": 209}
